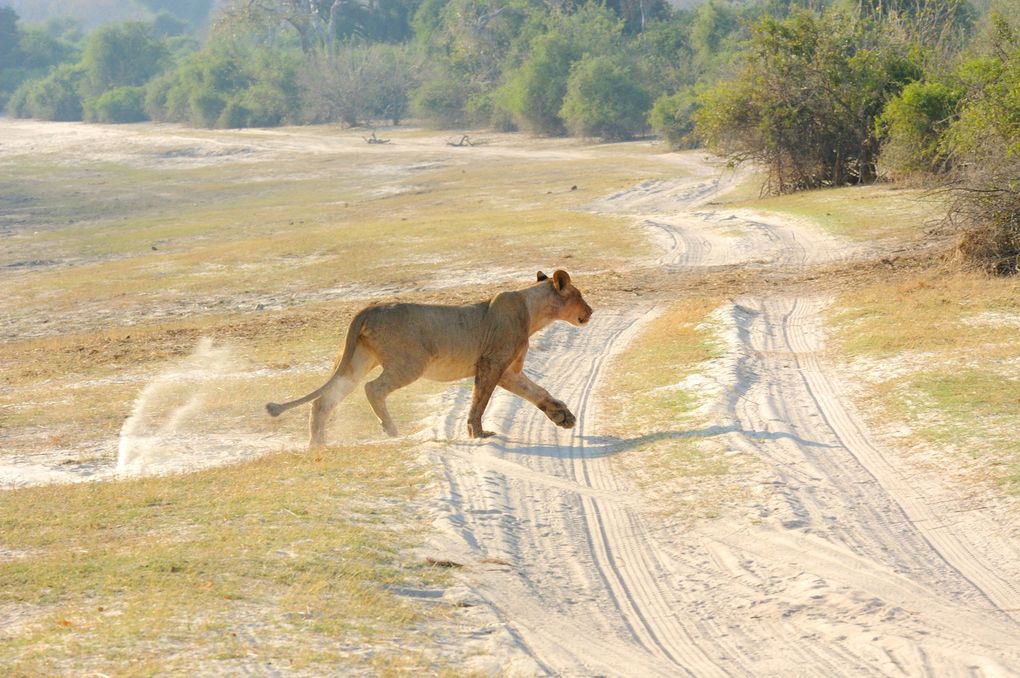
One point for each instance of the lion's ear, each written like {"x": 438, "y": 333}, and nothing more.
{"x": 542, "y": 276}
{"x": 560, "y": 280}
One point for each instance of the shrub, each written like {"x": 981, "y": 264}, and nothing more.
{"x": 120, "y": 105}
{"x": 671, "y": 119}
{"x": 604, "y": 99}
{"x": 234, "y": 116}
{"x": 205, "y": 106}
{"x": 984, "y": 144}
{"x": 259, "y": 86}
{"x": 17, "y": 105}
{"x": 56, "y": 97}
{"x": 913, "y": 125}
{"x": 122, "y": 55}
{"x": 806, "y": 103}
{"x": 441, "y": 101}
{"x": 534, "y": 92}
{"x": 362, "y": 83}
{"x": 157, "y": 95}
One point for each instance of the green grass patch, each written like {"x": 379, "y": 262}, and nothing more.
{"x": 861, "y": 212}
{"x": 966, "y": 324}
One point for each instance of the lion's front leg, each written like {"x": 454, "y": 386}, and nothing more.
{"x": 519, "y": 384}
{"x": 487, "y": 374}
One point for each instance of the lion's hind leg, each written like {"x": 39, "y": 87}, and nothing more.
{"x": 386, "y": 383}
{"x": 338, "y": 388}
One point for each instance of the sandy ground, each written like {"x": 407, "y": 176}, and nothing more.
{"x": 856, "y": 564}
{"x": 848, "y": 561}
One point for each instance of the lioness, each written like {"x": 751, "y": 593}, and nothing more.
{"x": 487, "y": 340}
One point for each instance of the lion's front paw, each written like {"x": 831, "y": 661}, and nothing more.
{"x": 560, "y": 415}
{"x": 476, "y": 431}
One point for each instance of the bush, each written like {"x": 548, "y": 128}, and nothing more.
{"x": 234, "y": 116}
{"x": 441, "y": 101}
{"x": 205, "y": 106}
{"x": 984, "y": 145}
{"x": 534, "y": 92}
{"x": 806, "y": 103}
{"x": 157, "y": 95}
{"x": 122, "y": 55}
{"x": 228, "y": 85}
{"x": 361, "y": 83}
{"x": 671, "y": 118}
{"x": 913, "y": 125}
{"x": 120, "y": 105}
{"x": 604, "y": 99}
{"x": 56, "y": 97}
{"x": 17, "y": 105}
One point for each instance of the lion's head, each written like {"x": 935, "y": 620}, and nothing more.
{"x": 569, "y": 305}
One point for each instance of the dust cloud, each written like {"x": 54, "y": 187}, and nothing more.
{"x": 173, "y": 420}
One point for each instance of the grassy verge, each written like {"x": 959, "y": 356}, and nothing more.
{"x": 940, "y": 352}
{"x": 653, "y": 405}
{"x": 876, "y": 212}
{"x": 284, "y": 563}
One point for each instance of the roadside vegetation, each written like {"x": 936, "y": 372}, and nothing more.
{"x": 939, "y": 352}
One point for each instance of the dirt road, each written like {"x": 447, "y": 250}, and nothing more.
{"x": 855, "y": 564}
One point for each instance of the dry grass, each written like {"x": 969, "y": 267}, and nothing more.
{"x": 118, "y": 264}
{"x": 940, "y": 351}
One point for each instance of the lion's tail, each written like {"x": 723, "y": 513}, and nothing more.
{"x": 339, "y": 367}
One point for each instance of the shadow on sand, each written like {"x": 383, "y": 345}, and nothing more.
{"x": 594, "y": 447}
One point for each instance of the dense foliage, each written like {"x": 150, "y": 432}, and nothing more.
{"x": 806, "y": 102}
{"x": 983, "y": 143}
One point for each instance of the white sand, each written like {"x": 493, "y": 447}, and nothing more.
{"x": 857, "y": 565}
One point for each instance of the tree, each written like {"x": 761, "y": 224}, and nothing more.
{"x": 605, "y": 99}
{"x": 121, "y": 55}
{"x": 314, "y": 21}
{"x": 193, "y": 12}
{"x": 983, "y": 144}
{"x": 325, "y": 25}
{"x": 672, "y": 118}
{"x": 56, "y": 97}
{"x": 913, "y": 125}
{"x": 533, "y": 94}
{"x": 8, "y": 38}
{"x": 469, "y": 45}
{"x": 361, "y": 83}
{"x": 806, "y": 102}
{"x": 119, "y": 105}
{"x": 229, "y": 84}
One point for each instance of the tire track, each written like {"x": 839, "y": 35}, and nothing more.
{"x": 849, "y": 570}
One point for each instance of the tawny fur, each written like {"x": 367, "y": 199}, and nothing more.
{"x": 487, "y": 341}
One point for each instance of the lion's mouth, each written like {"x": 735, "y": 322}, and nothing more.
{"x": 583, "y": 321}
